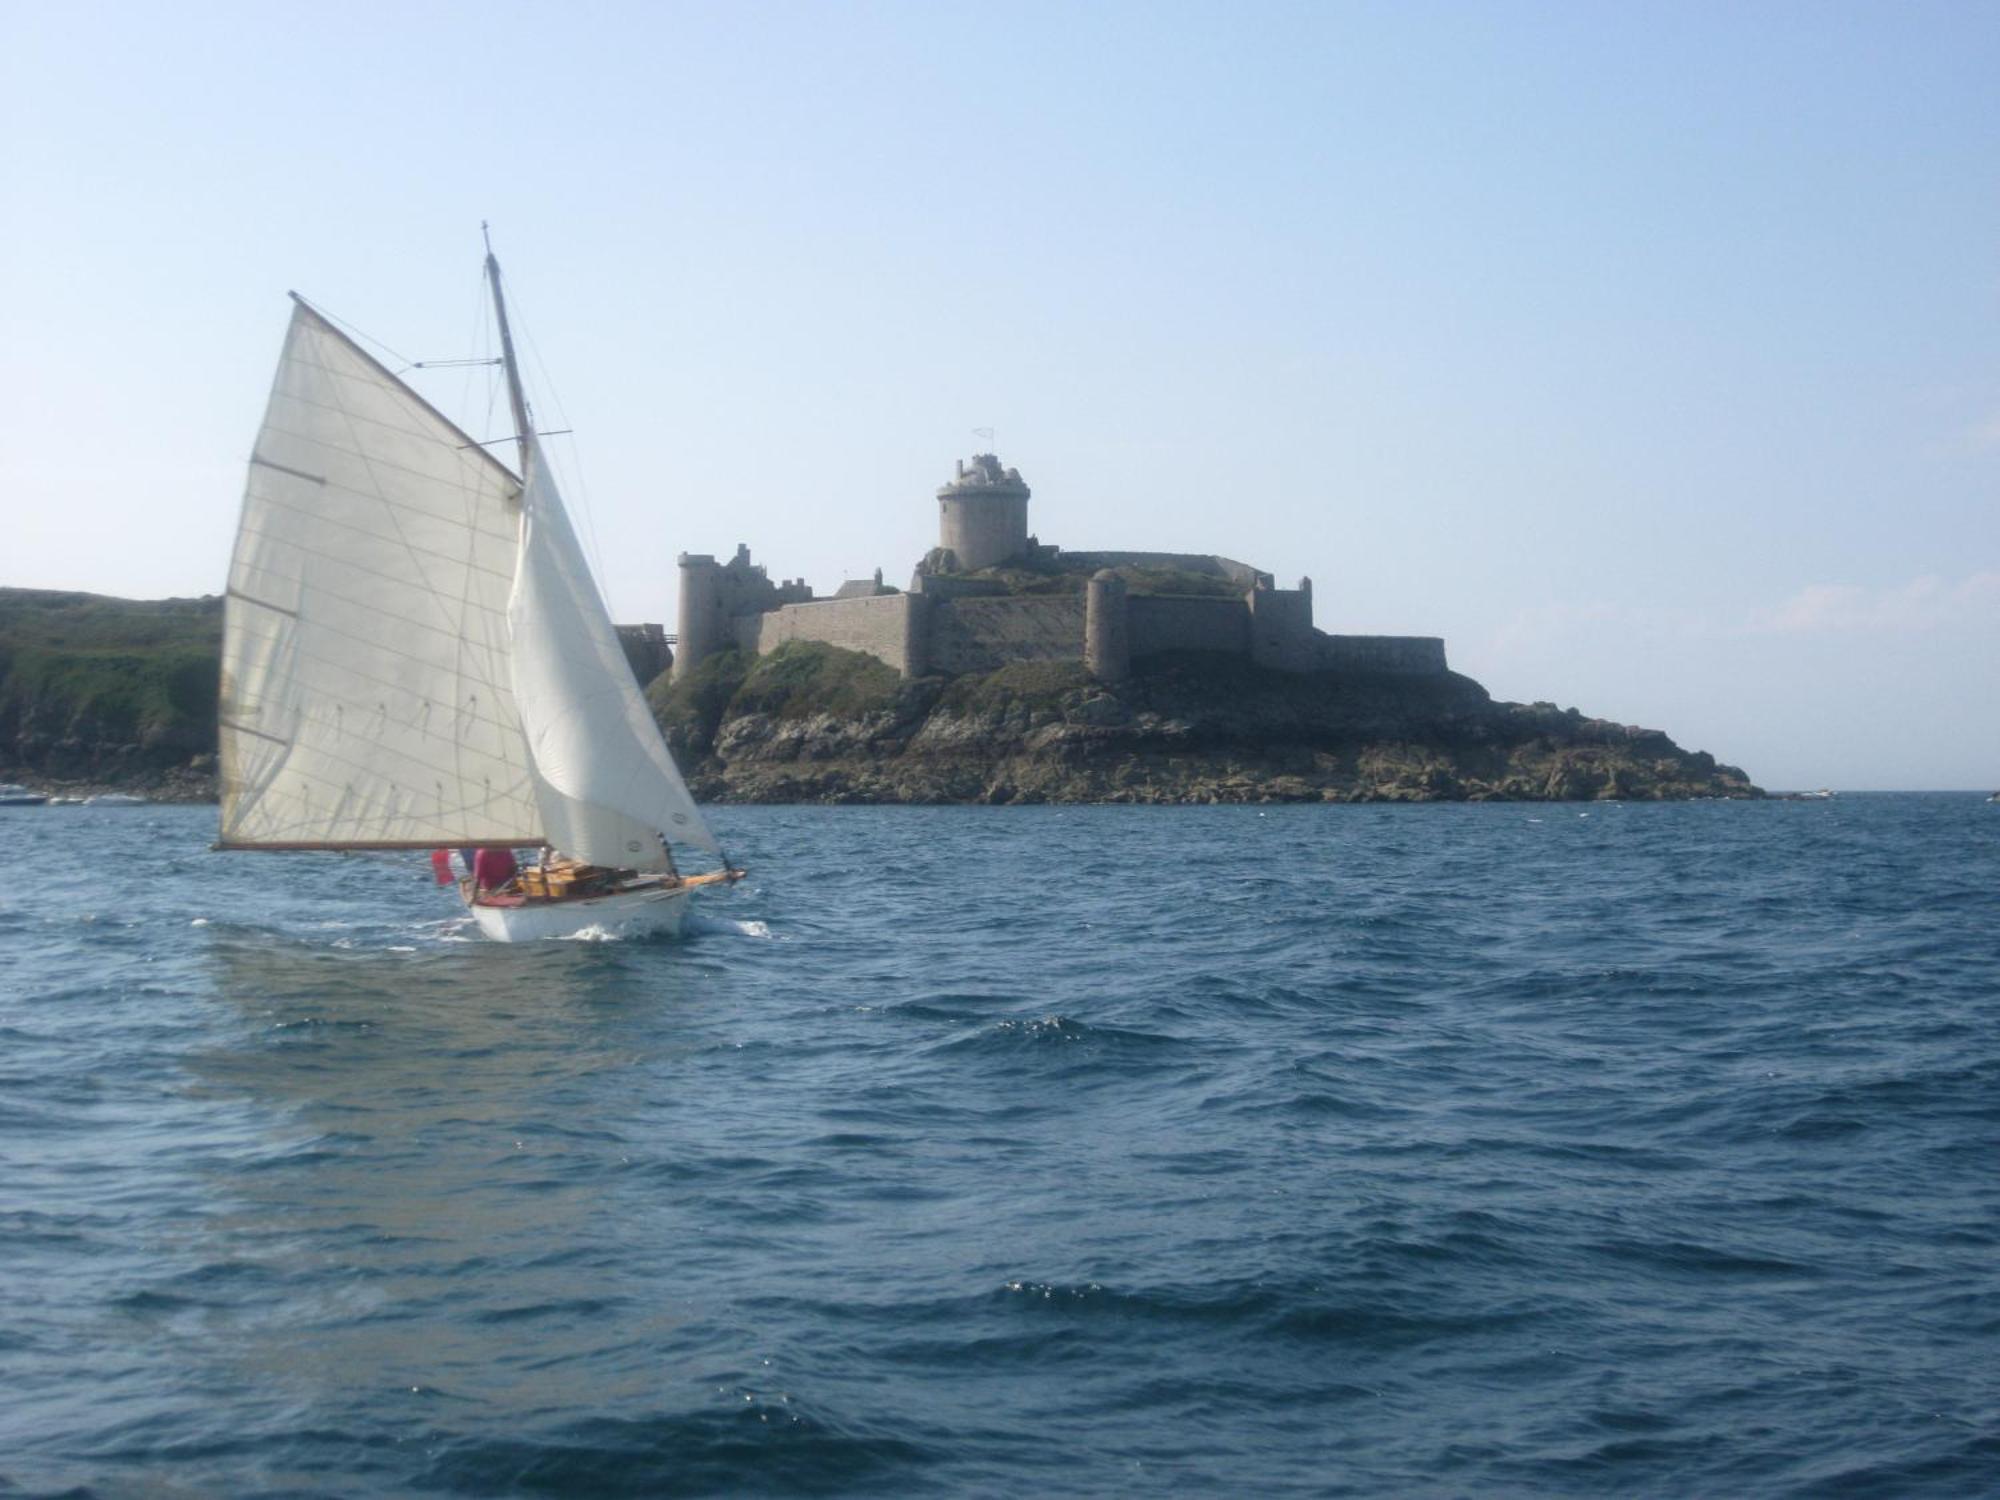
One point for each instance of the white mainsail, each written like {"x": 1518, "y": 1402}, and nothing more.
{"x": 367, "y": 699}
{"x": 414, "y": 652}
{"x": 606, "y": 785}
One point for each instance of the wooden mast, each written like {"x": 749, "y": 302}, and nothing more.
{"x": 523, "y": 432}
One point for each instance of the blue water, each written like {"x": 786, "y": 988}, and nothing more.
{"x": 1445, "y": 1150}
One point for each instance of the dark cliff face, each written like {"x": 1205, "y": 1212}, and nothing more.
{"x": 812, "y": 723}
{"x": 113, "y": 691}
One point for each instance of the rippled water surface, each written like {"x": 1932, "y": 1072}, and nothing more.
{"x": 1356, "y": 1150}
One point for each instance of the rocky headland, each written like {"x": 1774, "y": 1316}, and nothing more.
{"x": 111, "y": 694}
{"x": 812, "y": 723}
{"x": 101, "y": 694}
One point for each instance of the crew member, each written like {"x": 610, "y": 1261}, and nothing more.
{"x": 493, "y": 868}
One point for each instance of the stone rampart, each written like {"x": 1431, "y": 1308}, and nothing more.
{"x": 889, "y": 627}
{"x": 716, "y": 598}
{"x": 983, "y": 635}
{"x": 1166, "y": 622}
{"x": 953, "y": 586}
{"x": 1281, "y": 629}
{"x": 1407, "y": 654}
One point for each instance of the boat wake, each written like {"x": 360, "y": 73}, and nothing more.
{"x": 696, "y": 925}
{"x": 700, "y": 924}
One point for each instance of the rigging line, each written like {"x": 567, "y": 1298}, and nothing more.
{"x": 400, "y": 536}
{"x": 333, "y": 317}
{"x": 469, "y": 656}
{"x": 481, "y": 340}
{"x": 337, "y": 492}
{"x": 297, "y": 769}
{"x": 574, "y": 457}
{"x": 512, "y": 438}
{"x": 505, "y": 728}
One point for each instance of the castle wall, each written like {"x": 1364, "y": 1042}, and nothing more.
{"x": 951, "y": 586}
{"x": 715, "y": 600}
{"x": 983, "y": 635}
{"x": 1161, "y": 622}
{"x": 889, "y": 627}
{"x": 1281, "y": 629}
{"x": 1408, "y": 654}
{"x": 952, "y": 624}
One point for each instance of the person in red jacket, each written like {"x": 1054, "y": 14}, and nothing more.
{"x": 493, "y": 868}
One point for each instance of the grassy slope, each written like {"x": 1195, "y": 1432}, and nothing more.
{"x": 797, "y": 681}
{"x": 108, "y": 672}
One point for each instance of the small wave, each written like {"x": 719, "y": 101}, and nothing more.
{"x": 756, "y": 1442}
{"x": 1294, "y": 1310}
{"x": 711, "y": 926}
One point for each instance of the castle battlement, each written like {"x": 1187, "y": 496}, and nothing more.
{"x": 990, "y": 593}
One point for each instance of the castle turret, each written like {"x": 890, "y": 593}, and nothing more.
{"x": 983, "y": 515}
{"x": 702, "y": 628}
{"x": 1107, "y": 628}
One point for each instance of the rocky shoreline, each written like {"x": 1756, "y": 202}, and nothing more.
{"x": 175, "y": 784}
{"x": 811, "y": 724}
{"x": 100, "y": 695}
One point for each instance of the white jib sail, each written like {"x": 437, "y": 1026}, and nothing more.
{"x": 367, "y": 698}
{"x": 608, "y": 789}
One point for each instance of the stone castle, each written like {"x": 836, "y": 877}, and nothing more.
{"x": 990, "y": 593}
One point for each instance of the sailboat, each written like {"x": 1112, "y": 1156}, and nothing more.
{"x": 415, "y": 656}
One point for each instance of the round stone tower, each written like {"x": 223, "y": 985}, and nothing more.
{"x": 1107, "y": 629}
{"x": 701, "y": 627}
{"x": 983, "y": 514}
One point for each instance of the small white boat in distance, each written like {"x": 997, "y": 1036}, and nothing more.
{"x": 114, "y": 799}
{"x": 415, "y": 656}
{"x": 14, "y": 795}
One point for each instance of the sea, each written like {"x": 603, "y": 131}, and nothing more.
{"x": 1445, "y": 1150}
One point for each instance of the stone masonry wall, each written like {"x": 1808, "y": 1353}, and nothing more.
{"x": 1382, "y": 653}
{"x": 982, "y": 635}
{"x": 1281, "y": 629}
{"x": 1168, "y": 623}
{"x": 887, "y": 627}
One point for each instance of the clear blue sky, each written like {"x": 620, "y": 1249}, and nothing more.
{"x": 1648, "y": 353}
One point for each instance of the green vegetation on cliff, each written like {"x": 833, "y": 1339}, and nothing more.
{"x": 800, "y": 680}
{"x": 112, "y": 689}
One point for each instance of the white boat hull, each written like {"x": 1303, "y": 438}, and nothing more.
{"x": 649, "y": 911}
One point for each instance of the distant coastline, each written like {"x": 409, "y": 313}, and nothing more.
{"x": 100, "y": 694}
